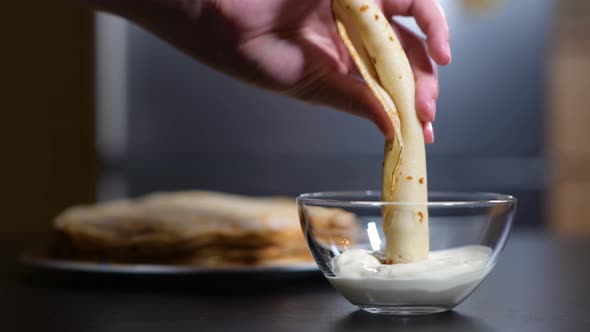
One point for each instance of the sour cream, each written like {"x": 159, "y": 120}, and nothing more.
{"x": 445, "y": 278}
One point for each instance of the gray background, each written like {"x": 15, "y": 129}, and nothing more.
{"x": 187, "y": 126}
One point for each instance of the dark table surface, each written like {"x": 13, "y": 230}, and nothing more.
{"x": 540, "y": 284}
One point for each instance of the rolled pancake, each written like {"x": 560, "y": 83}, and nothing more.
{"x": 381, "y": 60}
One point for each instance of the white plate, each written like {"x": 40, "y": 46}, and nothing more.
{"x": 37, "y": 260}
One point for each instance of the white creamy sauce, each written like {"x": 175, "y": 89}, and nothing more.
{"x": 443, "y": 279}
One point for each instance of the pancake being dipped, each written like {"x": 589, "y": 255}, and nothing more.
{"x": 383, "y": 64}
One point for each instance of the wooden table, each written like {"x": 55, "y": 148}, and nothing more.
{"x": 540, "y": 284}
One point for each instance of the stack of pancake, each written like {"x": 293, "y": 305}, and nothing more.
{"x": 194, "y": 228}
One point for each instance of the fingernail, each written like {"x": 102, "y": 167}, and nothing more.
{"x": 432, "y": 106}
{"x": 430, "y": 131}
{"x": 448, "y": 51}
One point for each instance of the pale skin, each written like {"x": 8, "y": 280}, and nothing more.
{"x": 292, "y": 47}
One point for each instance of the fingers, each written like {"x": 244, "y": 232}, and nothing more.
{"x": 348, "y": 94}
{"x": 431, "y": 19}
{"x": 425, "y": 74}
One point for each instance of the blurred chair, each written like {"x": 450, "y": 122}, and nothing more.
{"x": 47, "y": 127}
{"x": 568, "y": 119}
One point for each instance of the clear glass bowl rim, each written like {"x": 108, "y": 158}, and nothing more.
{"x": 442, "y": 199}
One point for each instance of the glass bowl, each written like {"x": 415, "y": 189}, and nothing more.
{"x": 471, "y": 227}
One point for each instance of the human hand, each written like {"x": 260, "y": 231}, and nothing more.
{"x": 292, "y": 47}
